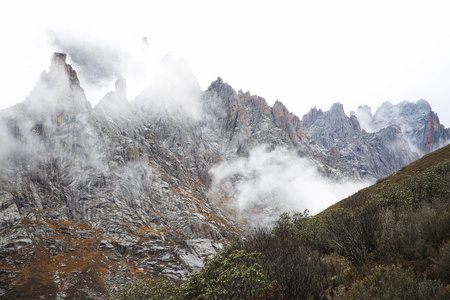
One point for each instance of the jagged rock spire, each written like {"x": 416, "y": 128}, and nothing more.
{"x": 59, "y": 63}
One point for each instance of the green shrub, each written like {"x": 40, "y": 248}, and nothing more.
{"x": 415, "y": 234}
{"x": 291, "y": 221}
{"x": 285, "y": 260}
{"x": 314, "y": 233}
{"x": 419, "y": 188}
{"x": 393, "y": 282}
{"x": 231, "y": 274}
{"x": 393, "y": 194}
{"x": 353, "y": 235}
{"x": 440, "y": 269}
{"x": 151, "y": 289}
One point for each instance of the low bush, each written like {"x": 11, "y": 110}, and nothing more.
{"x": 231, "y": 274}
{"x": 415, "y": 234}
{"x": 151, "y": 289}
{"x": 352, "y": 234}
{"x": 393, "y": 282}
{"x": 285, "y": 260}
{"x": 440, "y": 268}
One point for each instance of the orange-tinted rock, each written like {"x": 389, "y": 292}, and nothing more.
{"x": 59, "y": 62}
{"x": 309, "y": 118}
{"x": 435, "y": 135}
{"x": 279, "y": 113}
{"x": 242, "y": 115}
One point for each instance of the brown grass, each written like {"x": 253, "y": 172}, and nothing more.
{"x": 361, "y": 197}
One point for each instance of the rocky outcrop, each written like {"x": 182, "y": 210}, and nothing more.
{"x": 199, "y": 250}
{"x": 435, "y": 135}
{"x": 309, "y": 118}
{"x": 59, "y": 64}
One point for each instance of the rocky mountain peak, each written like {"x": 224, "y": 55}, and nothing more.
{"x": 58, "y": 64}
{"x": 337, "y": 108}
{"x": 309, "y": 118}
{"x": 385, "y": 105}
{"x": 56, "y": 99}
{"x": 435, "y": 135}
{"x": 219, "y": 81}
{"x": 419, "y": 124}
{"x": 58, "y": 59}
{"x": 336, "y": 113}
{"x": 218, "y": 86}
{"x": 279, "y": 111}
{"x": 367, "y": 152}
{"x": 423, "y": 105}
{"x": 222, "y": 94}
{"x": 335, "y": 121}
{"x": 288, "y": 122}
{"x": 115, "y": 104}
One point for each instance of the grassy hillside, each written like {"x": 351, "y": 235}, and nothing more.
{"x": 417, "y": 167}
{"x": 388, "y": 241}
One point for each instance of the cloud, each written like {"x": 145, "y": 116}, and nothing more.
{"x": 278, "y": 181}
{"x": 100, "y": 59}
{"x": 160, "y": 82}
{"x": 9, "y": 144}
{"x": 172, "y": 88}
{"x": 364, "y": 115}
{"x": 97, "y": 59}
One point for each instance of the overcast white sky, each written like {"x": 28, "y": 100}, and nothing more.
{"x": 303, "y": 53}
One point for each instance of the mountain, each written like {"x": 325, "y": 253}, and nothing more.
{"x": 93, "y": 197}
{"x": 373, "y": 155}
{"x": 420, "y": 125}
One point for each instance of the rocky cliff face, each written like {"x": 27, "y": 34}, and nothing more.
{"x": 103, "y": 190}
{"x": 92, "y": 197}
{"x": 420, "y": 125}
{"x": 435, "y": 135}
{"x": 373, "y": 155}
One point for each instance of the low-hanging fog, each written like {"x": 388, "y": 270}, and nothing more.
{"x": 279, "y": 181}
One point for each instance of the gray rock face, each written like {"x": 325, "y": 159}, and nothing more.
{"x": 373, "y": 155}
{"x": 196, "y": 251}
{"x": 130, "y": 183}
{"x": 234, "y": 123}
{"x": 420, "y": 125}
{"x": 124, "y": 188}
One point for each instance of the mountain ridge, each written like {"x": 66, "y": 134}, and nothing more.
{"x": 126, "y": 188}
{"x": 419, "y": 122}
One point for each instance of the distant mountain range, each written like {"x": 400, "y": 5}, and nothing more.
{"x": 92, "y": 196}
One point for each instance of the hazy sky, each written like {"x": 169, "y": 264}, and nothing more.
{"x": 303, "y": 53}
